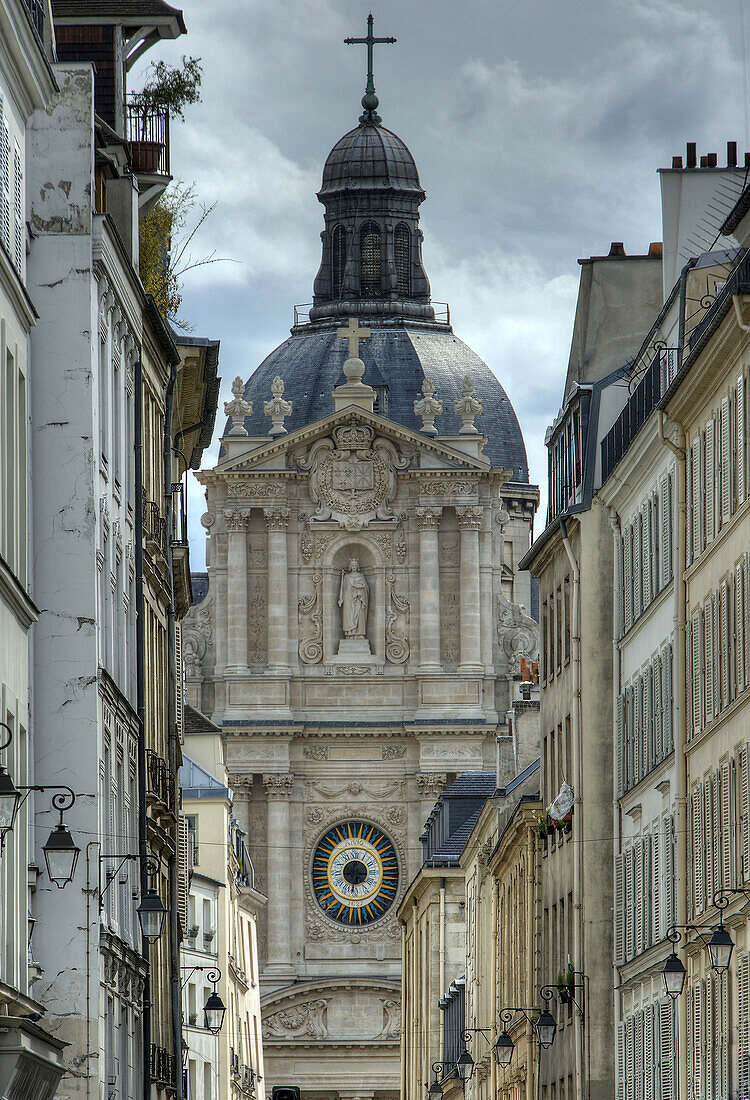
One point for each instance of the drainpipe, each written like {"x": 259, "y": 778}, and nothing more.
{"x": 173, "y": 746}
{"x": 531, "y": 893}
{"x": 680, "y": 749}
{"x": 614, "y": 523}
{"x": 442, "y": 958}
{"x": 493, "y": 995}
{"x": 577, "y": 837}
{"x": 140, "y": 694}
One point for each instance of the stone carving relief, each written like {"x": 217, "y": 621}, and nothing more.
{"x": 196, "y": 639}
{"x": 444, "y": 486}
{"x": 352, "y": 476}
{"x": 470, "y": 517}
{"x": 315, "y": 752}
{"x": 243, "y": 487}
{"x": 387, "y": 790}
{"x": 256, "y": 622}
{"x": 306, "y": 545}
{"x": 449, "y": 549}
{"x": 396, "y": 644}
{"x": 391, "y": 1019}
{"x": 431, "y": 784}
{"x": 354, "y": 670}
{"x": 235, "y": 519}
{"x": 354, "y": 601}
{"x": 278, "y": 786}
{"x": 305, "y": 1020}
{"x": 517, "y": 632}
{"x": 449, "y": 620}
{"x": 399, "y": 546}
{"x": 311, "y": 607}
{"x": 394, "y": 752}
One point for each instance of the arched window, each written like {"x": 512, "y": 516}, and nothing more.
{"x": 338, "y": 259}
{"x": 403, "y": 258}
{"x": 369, "y": 241}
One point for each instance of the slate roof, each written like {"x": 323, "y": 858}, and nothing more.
{"x": 113, "y": 10}
{"x": 453, "y": 847}
{"x": 472, "y": 784}
{"x": 196, "y": 782}
{"x": 310, "y": 363}
{"x": 369, "y": 158}
{"x": 195, "y": 722}
{"x": 199, "y": 582}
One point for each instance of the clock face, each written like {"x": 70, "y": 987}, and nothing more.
{"x": 355, "y": 873}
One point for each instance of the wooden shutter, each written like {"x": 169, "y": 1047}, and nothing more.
{"x": 629, "y": 737}
{"x": 620, "y": 1081}
{"x": 629, "y": 1067}
{"x": 5, "y": 190}
{"x": 669, "y": 878}
{"x": 655, "y": 551}
{"x": 650, "y": 1044}
{"x": 628, "y": 574}
{"x": 648, "y": 892}
{"x": 637, "y": 563}
{"x": 696, "y": 807}
{"x": 648, "y": 719}
{"x": 179, "y": 682}
{"x": 690, "y": 1044}
{"x": 741, "y": 472}
{"x": 638, "y": 891}
{"x": 695, "y": 502}
{"x": 619, "y": 909}
{"x": 666, "y": 524}
{"x": 739, "y": 625}
{"x": 183, "y": 872}
{"x": 659, "y": 739}
{"x": 690, "y": 677}
{"x": 18, "y": 220}
{"x": 743, "y": 1026}
{"x": 724, "y": 647}
{"x": 709, "y": 1038}
{"x": 744, "y": 812}
{"x": 708, "y": 627}
{"x": 668, "y": 700}
{"x": 629, "y": 906}
{"x": 647, "y": 540}
{"x": 698, "y": 1043}
{"x": 666, "y": 1050}
{"x": 638, "y": 1055}
{"x": 746, "y": 559}
{"x": 726, "y": 482}
{"x": 697, "y": 647}
{"x": 727, "y": 826}
{"x": 723, "y": 1040}
{"x": 659, "y": 886}
{"x": 710, "y": 480}
{"x": 637, "y": 727}
{"x": 620, "y": 733}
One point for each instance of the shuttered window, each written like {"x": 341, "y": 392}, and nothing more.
{"x": 726, "y": 466}
{"x": 743, "y": 1025}
{"x": 741, "y": 445}
{"x": 370, "y": 260}
{"x": 646, "y": 1054}
{"x": 338, "y": 260}
{"x": 666, "y": 528}
{"x": 710, "y": 477}
{"x": 402, "y": 248}
{"x": 19, "y": 239}
{"x": 5, "y": 182}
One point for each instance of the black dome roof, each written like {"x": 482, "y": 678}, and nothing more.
{"x": 310, "y": 364}
{"x": 370, "y": 157}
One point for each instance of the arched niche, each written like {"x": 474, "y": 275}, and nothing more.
{"x": 373, "y": 566}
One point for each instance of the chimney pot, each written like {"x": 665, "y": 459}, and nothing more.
{"x": 747, "y": 160}
{"x": 690, "y": 160}
{"x": 704, "y": 161}
{"x": 655, "y": 248}
{"x": 677, "y": 162}
{"x": 731, "y": 154}
{"x": 712, "y": 160}
{"x": 617, "y": 249}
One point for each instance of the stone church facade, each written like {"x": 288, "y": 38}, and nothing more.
{"x": 362, "y": 618}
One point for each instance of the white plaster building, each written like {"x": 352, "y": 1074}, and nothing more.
{"x": 362, "y": 621}
{"x": 29, "y": 1057}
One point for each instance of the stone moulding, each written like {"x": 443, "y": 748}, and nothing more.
{"x": 311, "y": 645}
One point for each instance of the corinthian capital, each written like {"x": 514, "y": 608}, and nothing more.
{"x": 277, "y": 519}
{"x": 428, "y": 519}
{"x": 235, "y": 519}
{"x": 278, "y": 786}
{"x": 431, "y": 784}
{"x": 469, "y": 517}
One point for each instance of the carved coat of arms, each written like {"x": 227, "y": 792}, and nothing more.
{"x": 352, "y": 476}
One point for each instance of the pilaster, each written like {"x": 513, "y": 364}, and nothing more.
{"x": 279, "y": 789}
{"x": 236, "y": 522}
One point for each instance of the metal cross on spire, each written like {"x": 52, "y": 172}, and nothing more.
{"x": 369, "y": 99}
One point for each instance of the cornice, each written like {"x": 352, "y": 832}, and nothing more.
{"x": 352, "y": 412}
{"x": 21, "y": 604}
{"x": 16, "y": 291}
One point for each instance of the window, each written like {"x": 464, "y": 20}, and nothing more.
{"x": 369, "y": 238}
{"x": 403, "y": 258}
{"x": 338, "y": 260}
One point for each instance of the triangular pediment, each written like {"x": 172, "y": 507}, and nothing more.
{"x": 442, "y": 455}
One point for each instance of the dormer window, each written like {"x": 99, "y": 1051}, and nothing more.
{"x": 338, "y": 260}
{"x": 402, "y": 248}
{"x": 370, "y": 265}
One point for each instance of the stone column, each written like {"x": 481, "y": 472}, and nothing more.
{"x": 236, "y": 524}
{"x": 428, "y": 520}
{"x": 279, "y": 876}
{"x": 487, "y": 603}
{"x": 277, "y": 521}
{"x": 469, "y": 522}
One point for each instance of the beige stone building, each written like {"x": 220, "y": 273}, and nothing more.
{"x": 220, "y": 950}
{"x": 364, "y": 614}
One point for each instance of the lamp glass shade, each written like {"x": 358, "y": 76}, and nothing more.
{"x": 465, "y": 1065}
{"x": 61, "y": 855}
{"x": 504, "y": 1049}
{"x": 673, "y": 976}
{"x": 10, "y": 799}
{"x": 151, "y": 915}
{"x": 720, "y": 948}
{"x": 546, "y": 1026}
{"x": 435, "y": 1091}
{"x": 214, "y": 1013}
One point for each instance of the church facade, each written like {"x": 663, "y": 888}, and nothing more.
{"x": 362, "y": 618}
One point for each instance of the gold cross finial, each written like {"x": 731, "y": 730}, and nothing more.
{"x": 353, "y": 333}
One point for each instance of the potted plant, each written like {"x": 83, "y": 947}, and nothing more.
{"x": 544, "y": 825}
{"x": 167, "y": 91}
{"x": 566, "y": 985}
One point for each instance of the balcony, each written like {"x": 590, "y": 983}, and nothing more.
{"x": 148, "y": 138}
{"x": 161, "y": 783}
{"x": 163, "y": 1067}
{"x": 36, "y": 14}
{"x": 154, "y": 528}
{"x": 183, "y": 591}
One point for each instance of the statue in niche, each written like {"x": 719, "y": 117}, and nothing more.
{"x": 354, "y": 599}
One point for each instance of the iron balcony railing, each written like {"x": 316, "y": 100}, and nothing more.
{"x": 163, "y": 1066}
{"x": 154, "y": 525}
{"x": 36, "y": 13}
{"x": 442, "y": 312}
{"x": 643, "y": 400}
{"x": 179, "y": 515}
{"x": 161, "y": 782}
{"x": 148, "y": 137}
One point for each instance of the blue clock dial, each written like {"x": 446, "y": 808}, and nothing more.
{"x": 355, "y": 873}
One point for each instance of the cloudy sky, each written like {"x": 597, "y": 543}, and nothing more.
{"x": 537, "y": 129}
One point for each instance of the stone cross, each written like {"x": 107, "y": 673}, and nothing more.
{"x": 353, "y": 333}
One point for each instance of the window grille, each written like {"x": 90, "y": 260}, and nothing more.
{"x": 370, "y": 263}
{"x": 338, "y": 259}
{"x": 403, "y": 258}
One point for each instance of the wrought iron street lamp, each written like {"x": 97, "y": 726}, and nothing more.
{"x": 151, "y": 913}
{"x": 720, "y": 945}
{"x": 546, "y": 1026}
{"x": 214, "y": 1008}
{"x": 504, "y": 1047}
{"x": 465, "y": 1065}
{"x": 673, "y": 976}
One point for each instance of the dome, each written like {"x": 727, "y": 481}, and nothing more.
{"x": 397, "y": 360}
{"x": 370, "y": 157}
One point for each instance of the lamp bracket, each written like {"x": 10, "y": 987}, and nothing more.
{"x": 151, "y": 865}
{"x": 213, "y": 974}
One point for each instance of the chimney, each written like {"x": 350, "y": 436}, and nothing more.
{"x": 655, "y": 248}
{"x": 712, "y": 160}
{"x": 690, "y": 161}
{"x": 731, "y": 154}
{"x": 617, "y": 249}
{"x": 747, "y": 160}
{"x": 677, "y": 162}
{"x": 704, "y": 161}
